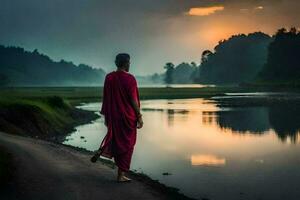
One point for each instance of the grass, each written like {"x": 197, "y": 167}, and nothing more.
{"x": 47, "y": 117}
{"x": 76, "y": 95}
{"x": 44, "y": 111}
{"x": 51, "y": 109}
{"x": 40, "y": 116}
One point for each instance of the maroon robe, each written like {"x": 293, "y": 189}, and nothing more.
{"x": 120, "y": 117}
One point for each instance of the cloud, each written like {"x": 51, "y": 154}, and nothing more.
{"x": 259, "y": 8}
{"x": 205, "y": 11}
{"x": 152, "y": 31}
{"x": 251, "y": 10}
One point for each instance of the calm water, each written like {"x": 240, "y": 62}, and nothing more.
{"x": 212, "y": 151}
{"x": 175, "y": 85}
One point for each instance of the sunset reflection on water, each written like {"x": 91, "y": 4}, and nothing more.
{"x": 210, "y": 149}
{"x": 207, "y": 160}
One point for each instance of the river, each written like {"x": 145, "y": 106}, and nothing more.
{"x": 212, "y": 151}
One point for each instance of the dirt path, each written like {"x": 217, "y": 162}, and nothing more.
{"x": 51, "y": 171}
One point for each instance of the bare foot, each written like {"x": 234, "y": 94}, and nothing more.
{"x": 123, "y": 179}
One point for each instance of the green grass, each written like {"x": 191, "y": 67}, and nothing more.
{"x": 76, "y": 95}
{"x": 46, "y": 107}
{"x": 49, "y": 109}
{"x": 39, "y": 116}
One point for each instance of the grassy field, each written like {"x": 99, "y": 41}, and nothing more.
{"x": 75, "y": 95}
{"x": 50, "y": 110}
{"x": 44, "y": 110}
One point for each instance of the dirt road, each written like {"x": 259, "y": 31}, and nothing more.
{"x": 49, "y": 171}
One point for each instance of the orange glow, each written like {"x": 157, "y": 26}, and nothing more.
{"x": 196, "y": 141}
{"x": 205, "y": 11}
{"x": 217, "y": 32}
{"x": 207, "y": 160}
{"x": 259, "y": 8}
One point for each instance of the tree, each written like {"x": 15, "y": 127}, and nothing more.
{"x": 205, "y": 56}
{"x": 236, "y": 60}
{"x": 24, "y": 68}
{"x": 282, "y": 66}
{"x": 182, "y": 73}
{"x": 193, "y": 64}
{"x": 169, "y": 72}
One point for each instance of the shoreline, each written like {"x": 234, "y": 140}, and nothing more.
{"x": 81, "y": 117}
{"x": 172, "y": 192}
{"x": 50, "y": 118}
{"x": 84, "y": 117}
{"x": 154, "y": 186}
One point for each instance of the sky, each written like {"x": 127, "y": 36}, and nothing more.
{"x": 153, "y": 32}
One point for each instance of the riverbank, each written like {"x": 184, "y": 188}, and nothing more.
{"x": 77, "y": 95}
{"x": 64, "y": 172}
{"x": 51, "y": 119}
{"x": 54, "y": 108}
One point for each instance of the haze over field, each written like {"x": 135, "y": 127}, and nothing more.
{"x": 214, "y": 94}
{"x": 153, "y": 32}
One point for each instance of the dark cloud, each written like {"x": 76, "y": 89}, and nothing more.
{"x": 153, "y": 31}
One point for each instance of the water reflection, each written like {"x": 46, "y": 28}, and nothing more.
{"x": 207, "y": 160}
{"x": 283, "y": 118}
{"x": 210, "y": 149}
{"x": 183, "y": 114}
{"x": 244, "y": 120}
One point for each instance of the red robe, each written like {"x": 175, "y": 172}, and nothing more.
{"x": 120, "y": 117}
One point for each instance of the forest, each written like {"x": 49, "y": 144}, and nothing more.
{"x": 282, "y": 66}
{"x": 255, "y": 59}
{"x": 19, "y": 67}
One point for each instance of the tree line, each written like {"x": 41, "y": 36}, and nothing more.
{"x": 19, "y": 67}
{"x": 256, "y": 58}
{"x": 282, "y": 66}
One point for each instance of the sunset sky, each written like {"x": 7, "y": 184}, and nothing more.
{"x": 152, "y": 31}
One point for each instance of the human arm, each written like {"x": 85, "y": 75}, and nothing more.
{"x": 103, "y": 111}
{"x": 136, "y": 108}
{"x": 134, "y": 101}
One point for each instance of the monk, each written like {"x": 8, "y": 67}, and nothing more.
{"x": 122, "y": 116}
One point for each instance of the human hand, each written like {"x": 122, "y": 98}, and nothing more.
{"x": 140, "y": 122}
